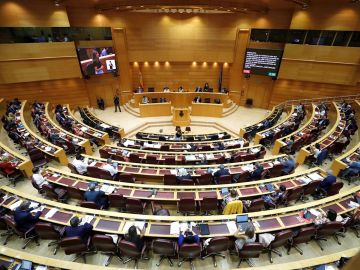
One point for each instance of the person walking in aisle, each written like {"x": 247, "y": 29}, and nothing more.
{"x": 117, "y": 102}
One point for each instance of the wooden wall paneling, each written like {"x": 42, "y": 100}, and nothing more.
{"x": 71, "y": 91}
{"x": 39, "y": 13}
{"x": 24, "y": 62}
{"x": 237, "y": 82}
{"x": 259, "y": 89}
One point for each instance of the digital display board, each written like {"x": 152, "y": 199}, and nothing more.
{"x": 96, "y": 61}
{"x": 262, "y": 62}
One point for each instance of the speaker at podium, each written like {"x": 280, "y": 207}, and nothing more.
{"x": 181, "y": 117}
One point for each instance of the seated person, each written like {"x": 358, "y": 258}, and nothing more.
{"x": 38, "y": 178}
{"x": 181, "y": 89}
{"x": 327, "y": 181}
{"x": 256, "y": 173}
{"x": 6, "y": 166}
{"x": 242, "y": 239}
{"x": 342, "y": 139}
{"x": 271, "y": 200}
{"x": 353, "y": 169}
{"x": 198, "y": 89}
{"x": 77, "y": 230}
{"x": 289, "y": 143}
{"x": 135, "y": 235}
{"x": 206, "y": 87}
{"x": 231, "y": 196}
{"x": 109, "y": 166}
{"x": 182, "y": 174}
{"x": 96, "y": 196}
{"x": 325, "y": 218}
{"x": 221, "y": 172}
{"x": 166, "y": 89}
{"x": 188, "y": 237}
{"x": 145, "y": 100}
{"x": 197, "y": 99}
{"x": 178, "y": 135}
{"x": 288, "y": 165}
{"x": 23, "y": 217}
{"x": 203, "y": 160}
{"x": 191, "y": 147}
{"x": 220, "y": 146}
{"x": 139, "y": 90}
{"x": 80, "y": 164}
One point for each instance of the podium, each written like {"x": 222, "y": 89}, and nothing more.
{"x": 181, "y": 117}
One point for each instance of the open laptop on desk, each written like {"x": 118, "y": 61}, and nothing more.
{"x": 243, "y": 222}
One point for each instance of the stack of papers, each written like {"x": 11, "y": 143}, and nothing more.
{"x": 51, "y": 213}
{"x": 104, "y": 125}
{"x": 315, "y": 212}
{"x": 315, "y": 176}
{"x": 33, "y": 205}
{"x": 139, "y": 224}
{"x": 38, "y": 209}
{"x": 41, "y": 267}
{"x": 107, "y": 188}
{"x": 210, "y": 156}
{"x": 190, "y": 157}
{"x": 231, "y": 225}
{"x": 86, "y": 219}
{"x": 304, "y": 179}
{"x": 176, "y": 227}
{"x": 15, "y": 205}
{"x": 173, "y": 171}
{"x": 48, "y": 148}
{"x": 83, "y": 129}
{"x": 114, "y": 237}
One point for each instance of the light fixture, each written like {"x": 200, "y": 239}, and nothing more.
{"x": 57, "y": 3}
{"x": 117, "y": 8}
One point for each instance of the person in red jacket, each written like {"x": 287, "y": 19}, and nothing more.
{"x": 6, "y": 166}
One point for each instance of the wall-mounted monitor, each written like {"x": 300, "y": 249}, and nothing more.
{"x": 262, "y": 62}
{"x": 95, "y": 61}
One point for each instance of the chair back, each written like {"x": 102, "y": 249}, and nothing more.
{"x": 104, "y": 154}
{"x": 188, "y": 129}
{"x": 103, "y": 243}
{"x": 104, "y": 174}
{"x": 75, "y": 193}
{"x": 224, "y": 179}
{"x": 117, "y": 200}
{"x": 205, "y": 147}
{"x": 170, "y": 179}
{"x": 205, "y": 179}
{"x": 73, "y": 245}
{"x": 220, "y": 160}
{"x": 169, "y": 161}
{"x": 126, "y": 177}
{"x": 209, "y": 204}
{"x": 165, "y": 147}
{"x": 93, "y": 171}
{"x": 186, "y": 205}
{"x": 46, "y": 231}
{"x": 118, "y": 158}
{"x": 281, "y": 238}
{"x": 10, "y": 223}
{"x": 305, "y": 235}
{"x": 334, "y": 188}
{"x": 151, "y": 159}
{"x": 190, "y": 251}
{"x": 256, "y": 205}
{"x": 311, "y": 187}
{"x": 87, "y": 204}
{"x": 134, "y": 158}
{"x": 164, "y": 247}
{"x": 249, "y": 157}
{"x": 72, "y": 168}
{"x": 244, "y": 176}
{"x": 329, "y": 229}
{"x": 250, "y": 250}
{"x": 294, "y": 194}
{"x": 276, "y": 170}
{"x": 49, "y": 191}
{"x": 218, "y": 244}
{"x": 134, "y": 206}
{"x": 129, "y": 249}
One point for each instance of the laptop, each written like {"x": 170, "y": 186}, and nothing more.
{"x": 243, "y": 222}
{"x": 269, "y": 187}
{"x": 204, "y": 229}
{"x": 224, "y": 191}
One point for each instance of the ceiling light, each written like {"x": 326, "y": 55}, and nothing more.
{"x": 117, "y": 8}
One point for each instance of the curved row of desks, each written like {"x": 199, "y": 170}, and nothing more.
{"x": 171, "y": 137}
{"x": 14, "y": 256}
{"x": 81, "y": 142}
{"x": 306, "y": 128}
{"x": 151, "y": 171}
{"x": 159, "y": 226}
{"x": 219, "y": 156}
{"x": 259, "y": 135}
{"x": 328, "y": 139}
{"x": 169, "y": 193}
{"x": 249, "y": 131}
{"x": 101, "y": 123}
{"x": 44, "y": 146}
{"x": 89, "y": 132}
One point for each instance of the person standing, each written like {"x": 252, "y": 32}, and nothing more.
{"x": 117, "y": 103}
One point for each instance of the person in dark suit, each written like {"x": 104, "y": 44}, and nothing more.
{"x": 288, "y": 165}
{"x": 197, "y": 99}
{"x": 327, "y": 181}
{"x": 221, "y": 172}
{"x": 117, "y": 103}
{"x": 96, "y": 196}
{"x": 23, "y": 218}
{"x": 76, "y": 230}
{"x": 256, "y": 174}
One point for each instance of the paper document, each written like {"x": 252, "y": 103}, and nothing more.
{"x": 210, "y": 156}
{"x": 33, "y": 205}
{"x": 107, "y": 188}
{"x": 231, "y": 225}
{"x": 83, "y": 129}
{"x": 104, "y": 125}
{"x": 173, "y": 172}
{"x": 39, "y": 209}
{"x": 51, "y": 213}
{"x": 315, "y": 212}
{"x": 304, "y": 179}
{"x": 315, "y": 176}
{"x": 139, "y": 224}
{"x": 86, "y": 219}
{"x": 15, "y": 205}
{"x": 41, "y": 267}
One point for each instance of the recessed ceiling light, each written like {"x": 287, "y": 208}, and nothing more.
{"x": 117, "y": 8}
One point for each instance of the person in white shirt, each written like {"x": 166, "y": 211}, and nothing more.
{"x": 109, "y": 167}
{"x": 80, "y": 165}
{"x": 145, "y": 100}
{"x": 38, "y": 178}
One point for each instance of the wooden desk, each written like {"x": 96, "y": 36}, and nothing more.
{"x": 184, "y": 138}
{"x": 329, "y": 138}
{"x": 44, "y": 146}
{"x": 83, "y": 143}
{"x": 159, "y": 226}
{"x": 181, "y": 117}
{"x": 207, "y": 109}
{"x": 259, "y": 135}
{"x": 180, "y": 100}
{"x": 155, "y": 109}
{"x": 98, "y": 121}
{"x": 98, "y": 135}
